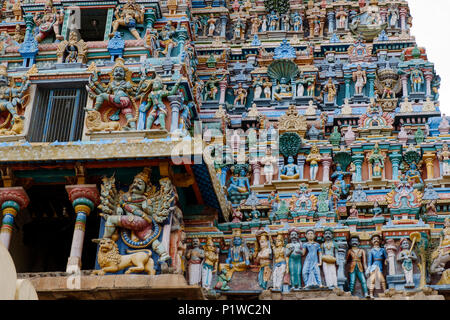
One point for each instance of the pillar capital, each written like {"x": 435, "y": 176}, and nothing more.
{"x": 15, "y": 194}
{"x": 86, "y": 191}
{"x": 12, "y": 200}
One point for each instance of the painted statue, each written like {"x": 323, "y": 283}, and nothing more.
{"x": 256, "y": 23}
{"x": 49, "y": 20}
{"x": 391, "y": 250}
{"x": 211, "y": 87}
{"x": 141, "y": 210}
{"x": 297, "y": 22}
{"x": 356, "y": 259}
{"x": 407, "y": 257}
{"x": 313, "y": 158}
{"x": 376, "y": 210}
{"x": 211, "y": 25}
{"x": 239, "y": 183}
{"x": 166, "y": 39}
{"x": 341, "y": 18}
{"x": 268, "y": 161}
{"x": 195, "y": 257}
{"x": 279, "y": 258}
{"x": 119, "y": 92}
{"x": 258, "y": 87}
{"x": 237, "y": 215}
{"x": 238, "y": 258}
{"x": 376, "y": 159}
{"x": 417, "y": 80}
{"x": 240, "y": 94}
{"x": 273, "y": 21}
{"x": 360, "y": 79}
{"x": 376, "y": 259}
{"x": 329, "y": 256}
{"x": 294, "y": 251}
{"x": 290, "y": 170}
{"x": 263, "y": 259}
{"x": 331, "y": 90}
{"x": 267, "y": 88}
{"x": 128, "y": 16}
{"x": 210, "y": 263}
{"x": 339, "y": 183}
{"x": 282, "y": 89}
{"x": 311, "y": 271}
{"x": 444, "y": 157}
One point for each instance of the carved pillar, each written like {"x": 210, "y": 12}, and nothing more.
{"x": 223, "y": 29}
{"x": 358, "y": 160}
{"x": 429, "y": 161}
{"x": 65, "y": 26}
{"x": 331, "y": 26}
{"x": 371, "y": 80}
{"x": 403, "y": 13}
{"x": 256, "y": 166}
{"x": 12, "y": 200}
{"x": 395, "y": 160}
{"x": 84, "y": 198}
{"x": 280, "y": 166}
{"x": 341, "y": 261}
{"x": 223, "y": 89}
{"x": 109, "y": 20}
{"x": 301, "y": 165}
{"x": 150, "y": 18}
{"x": 383, "y": 14}
{"x": 405, "y": 85}
{"x": 428, "y": 78}
{"x": 348, "y": 79}
{"x": 326, "y": 163}
{"x": 175, "y": 104}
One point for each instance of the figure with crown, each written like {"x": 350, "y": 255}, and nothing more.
{"x": 51, "y": 19}
{"x": 130, "y": 15}
{"x": 140, "y": 212}
{"x": 210, "y": 263}
{"x": 238, "y": 258}
{"x": 119, "y": 93}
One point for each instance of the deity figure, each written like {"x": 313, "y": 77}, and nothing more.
{"x": 311, "y": 271}
{"x": 339, "y": 175}
{"x": 300, "y": 86}
{"x": 417, "y": 80}
{"x": 312, "y": 109}
{"x": 18, "y": 36}
{"x": 360, "y": 79}
{"x": 353, "y": 212}
{"x": 341, "y": 18}
{"x": 51, "y": 19}
{"x": 330, "y": 89}
{"x": 210, "y": 263}
{"x": 256, "y": 23}
{"x": 413, "y": 174}
{"x": 211, "y": 87}
{"x": 11, "y": 98}
{"x": 376, "y": 210}
{"x": 211, "y": 25}
{"x": 290, "y": 171}
{"x": 119, "y": 92}
{"x": 273, "y": 199}
{"x": 237, "y": 215}
{"x": 166, "y": 36}
{"x": 310, "y": 86}
{"x": 279, "y": 257}
{"x": 376, "y": 260}
{"x": 241, "y": 95}
{"x": 391, "y": 250}
{"x": 155, "y": 102}
{"x": 407, "y": 257}
{"x": 195, "y": 257}
{"x": 130, "y": 15}
{"x": 285, "y": 22}
{"x": 313, "y": 158}
{"x": 294, "y": 251}
{"x": 139, "y": 210}
{"x": 263, "y": 259}
{"x": 264, "y": 23}
{"x": 282, "y": 89}
{"x": 376, "y": 159}
{"x": 222, "y": 281}
{"x": 71, "y": 51}
{"x": 356, "y": 258}
{"x": 430, "y": 209}
{"x": 257, "y": 84}
{"x": 239, "y": 29}
{"x": 444, "y": 157}
{"x": 267, "y": 88}
{"x": 394, "y": 15}
{"x": 329, "y": 256}
{"x": 297, "y": 22}
{"x": 268, "y": 161}
{"x": 238, "y": 258}
{"x": 273, "y": 21}
{"x": 239, "y": 184}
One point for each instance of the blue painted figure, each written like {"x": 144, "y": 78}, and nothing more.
{"x": 290, "y": 170}
{"x": 339, "y": 175}
{"x": 294, "y": 251}
{"x": 238, "y": 257}
{"x": 311, "y": 271}
{"x": 377, "y": 257}
{"x": 239, "y": 184}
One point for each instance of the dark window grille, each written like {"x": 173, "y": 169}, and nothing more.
{"x": 58, "y": 115}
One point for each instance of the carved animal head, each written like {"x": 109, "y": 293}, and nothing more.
{"x": 106, "y": 245}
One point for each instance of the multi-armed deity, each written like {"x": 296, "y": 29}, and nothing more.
{"x": 50, "y": 20}
{"x": 130, "y": 15}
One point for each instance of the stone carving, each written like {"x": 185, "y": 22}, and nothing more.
{"x": 129, "y": 15}
{"x": 72, "y": 51}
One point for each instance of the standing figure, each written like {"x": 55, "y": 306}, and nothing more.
{"x": 239, "y": 29}
{"x": 407, "y": 258}
{"x": 341, "y": 17}
{"x": 391, "y": 250}
{"x": 195, "y": 258}
{"x": 240, "y": 94}
{"x": 210, "y": 263}
{"x": 300, "y": 85}
{"x": 279, "y": 257}
{"x": 311, "y": 271}
{"x": 330, "y": 253}
{"x": 267, "y": 88}
{"x": 130, "y": 15}
{"x": 211, "y": 87}
{"x": 310, "y": 86}
{"x": 330, "y": 89}
{"x": 298, "y": 22}
{"x": 377, "y": 257}
{"x": 394, "y": 15}
{"x": 237, "y": 215}
{"x": 268, "y": 161}
{"x": 313, "y": 158}
{"x": 353, "y": 212}
{"x": 257, "y": 84}
{"x": 256, "y": 23}
{"x": 286, "y": 23}
{"x": 263, "y": 258}
{"x": 264, "y": 23}
{"x": 294, "y": 251}
{"x": 273, "y": 21}
{"x": 356, "y": 258}
{"x": 211, "y": 25}
{"x": 360, "y": 79}
{"x": 417, "y": 80}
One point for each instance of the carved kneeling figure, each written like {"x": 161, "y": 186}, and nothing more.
{"x": 111, "y": 261}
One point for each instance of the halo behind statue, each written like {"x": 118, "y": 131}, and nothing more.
{"x": 283, "y": 68}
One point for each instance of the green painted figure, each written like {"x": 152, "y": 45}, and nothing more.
{"x": 294, "y": 251}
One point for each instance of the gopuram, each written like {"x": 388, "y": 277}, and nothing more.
{"x": 212, "y": 149}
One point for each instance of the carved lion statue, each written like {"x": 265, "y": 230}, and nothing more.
{"x": 94, "y": 123}
{"x": 16, "y": 128}
{"x": 110, "y": 260}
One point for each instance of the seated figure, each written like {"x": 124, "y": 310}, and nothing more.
{"x": 290, "y": 171}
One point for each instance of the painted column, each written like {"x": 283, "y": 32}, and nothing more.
{"x": 331, "y": 22}
{"x": 109, "y": 20}
{"x": 405, "y": 85}
{"x": 175, "y": 105}
{"x": 428, "y": 78}
{"x": 280, "y": 166}
{"x": 358, "y": 160}
{"x": 326, "y": 163}
{"x": 223, "y": 29}
{"x": 429, "y": 161}
{"x": 256, "y": 166}
{"x": 383, "y": 14}
{"x": 223, "y": 88}
{"x": 348, "y": 78}
{"x": 65, "y": 26}
{"x": 403, "y": 12}
{"x": 301, "y": 165}
{"x": 395, "y": 160}
{"x": 84, "y": 198}
{"x": 12, "y": 200}
{"x": 341, "y": 261}
{"x": 150, "y": 18}
{"x": 371, "y": 80}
